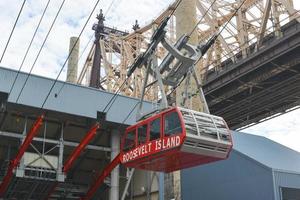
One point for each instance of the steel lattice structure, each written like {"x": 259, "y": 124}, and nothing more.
{"x": 255, "y": 19}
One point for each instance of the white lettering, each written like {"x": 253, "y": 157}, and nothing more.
{"x": 161, "y": 144}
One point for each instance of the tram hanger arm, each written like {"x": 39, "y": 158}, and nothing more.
{"x": 208, "y": 44}
{"x": 155, "y": 40}
{"x": 169, "y": 58}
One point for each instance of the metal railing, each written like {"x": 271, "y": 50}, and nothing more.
{"x": 205, "y": 125}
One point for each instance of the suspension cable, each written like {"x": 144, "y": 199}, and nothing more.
{"x": 218, "y": 34}
{"x": 40, "y": 50}
{"x": 109, "y": 7}
{"x": 28, "y": 48}
{"x": 89, "y": 17}
{"x": 238, "y": 8}
{"x": 114, "y": 97}
{"x": 12, "y": 31}
{"x": 199, "y": 21}
{"x": 86, "y": 46}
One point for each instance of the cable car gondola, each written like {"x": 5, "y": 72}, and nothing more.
{"x": 174, "y": 139}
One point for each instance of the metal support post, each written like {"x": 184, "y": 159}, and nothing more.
{"x": 21, "y": 168}
{"x": 164, "y": 101}
{"x": 148, "y": 186}
{"x": 140, "y": 111}
{"x": 60, "y": 175}
{"x": 161, "y": 186}
{"x": 74, "y": 155}
{"x": 114, "y": 180}
{"x": 95, "y": 72}
{"x": 15, "y": 162}
{"x": 131, "y": 172}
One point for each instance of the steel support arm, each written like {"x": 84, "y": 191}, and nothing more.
{"x": 107, "y": 170}
{"x": 15, "y": 162}
{"x": 86, "y": 140}
{"x": 74, "y": 155}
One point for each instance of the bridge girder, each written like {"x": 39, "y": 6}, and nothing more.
{"x": 244, "y": 35}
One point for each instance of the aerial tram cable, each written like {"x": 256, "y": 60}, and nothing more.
{"x": 182, "y": 137}
{"x": 140, "y": 60}
{"x": 40, "y": 50}
{"x": 109, "y": 7}
{"x": 38, "y": 122}
{"x": 84, "y": 49}
{"x": 193, "y": 138}
{"x": 12, "y": 31}
{"x": 28, "y": 48}
{"x": 200, "y": 20}
{"x": 211, "y": 40}
{"x": 42, "y": 106}
{"x": 63, "y": 66}
{"x": 185, "y": 38}
{"x": 181, "y": 150}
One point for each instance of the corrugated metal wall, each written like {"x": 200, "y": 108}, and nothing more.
{"x": 238, "y": 177}
{"x": 285, "y": 179}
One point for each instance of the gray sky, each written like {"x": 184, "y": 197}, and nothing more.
{"x": 122, "y": 14}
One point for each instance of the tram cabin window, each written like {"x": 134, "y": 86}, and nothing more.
{"x": 129, "y": 141}
{"x": 172, "y": 124}
{"x": 142, "y": 134}
{"x": 155, "y": 129}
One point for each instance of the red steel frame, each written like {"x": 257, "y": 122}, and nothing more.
{"x": 77, "y": 151}
{"x": 15, "y": 162}
{"x": 86, "y": 140}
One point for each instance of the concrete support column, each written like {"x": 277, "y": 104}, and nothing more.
{"x": 186, "y": 19}
{"x": 73, "y": 60}
{"x": 114, "y": 179}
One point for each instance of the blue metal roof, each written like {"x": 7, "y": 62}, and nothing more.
{"x": 73, "y": 99}
{"x": 267, "y": 152}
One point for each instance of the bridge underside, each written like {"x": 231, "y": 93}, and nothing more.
{"x": 265, "y": 84}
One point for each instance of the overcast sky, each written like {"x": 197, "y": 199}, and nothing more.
{"x": 122, "y": 14}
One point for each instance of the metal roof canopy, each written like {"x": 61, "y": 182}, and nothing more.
{"x": 74, "y": 111}
{"x": 73, "y": 99}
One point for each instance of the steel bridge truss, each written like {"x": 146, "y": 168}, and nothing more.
{"x": 255, "y": 20}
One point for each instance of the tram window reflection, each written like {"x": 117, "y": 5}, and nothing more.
{"x": 142, "y": 134}
{"x": 155, "y": 129}
{"x": 129, "y": 141}
{"x": 172, "y": 124}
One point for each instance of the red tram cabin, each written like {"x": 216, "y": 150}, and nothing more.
{"x": 175, "y": 139}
